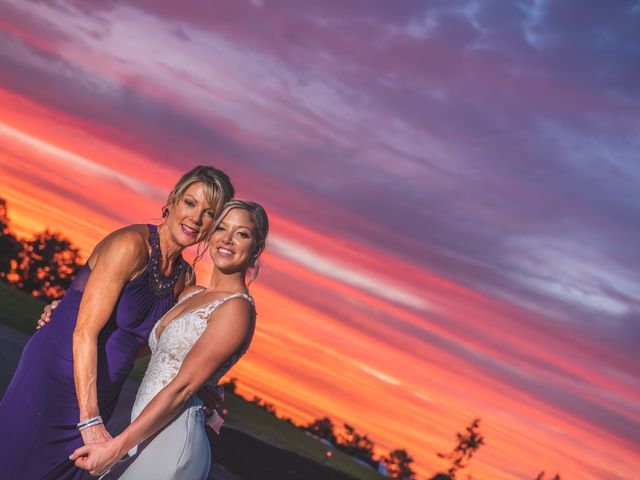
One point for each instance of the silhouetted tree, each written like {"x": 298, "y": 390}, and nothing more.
{"x": 230, "y": 385}
{"x": 468, "y": 444}
{"x": 48, "y": 264}
{"x": 541, "y": 476}
{"x": 267, "y": 407}
{"x": 322, "y": 428}
{"x": 398, "y": 464}
{"x": 356, "y": 445}
{"x": 10, "y": 246}
{"x": 289, "y": 420}
{"x": 4, "y": 216}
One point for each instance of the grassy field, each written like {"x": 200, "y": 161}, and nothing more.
{"x": 21, "y": 312}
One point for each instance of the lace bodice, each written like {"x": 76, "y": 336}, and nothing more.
{"x": 175, "y": 341}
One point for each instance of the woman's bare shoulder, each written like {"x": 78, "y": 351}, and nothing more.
{"x": 235, "y": 307}
{"x": 130, "y": 242}
{"x": 191, "y": 290}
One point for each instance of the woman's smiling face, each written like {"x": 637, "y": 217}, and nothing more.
{"x": 191, "y": 217}
{"x": 233, "y": 244}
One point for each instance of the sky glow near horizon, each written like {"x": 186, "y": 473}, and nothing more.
{"x": 453, "y": 188}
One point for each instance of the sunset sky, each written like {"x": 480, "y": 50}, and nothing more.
{"x": 454, "y": 190}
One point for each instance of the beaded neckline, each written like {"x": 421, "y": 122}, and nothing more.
{"x": 160, "y": 285}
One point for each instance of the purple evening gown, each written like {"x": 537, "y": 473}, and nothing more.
{"x": 39, "y": 410}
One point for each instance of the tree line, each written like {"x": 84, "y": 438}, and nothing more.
{"x": 398, "y": 463}
{"x": 43, "y": 266}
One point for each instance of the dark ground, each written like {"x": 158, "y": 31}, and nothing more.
{"x": 250, "y": 458}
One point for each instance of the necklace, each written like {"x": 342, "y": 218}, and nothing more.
{"x": 160, "y": 285}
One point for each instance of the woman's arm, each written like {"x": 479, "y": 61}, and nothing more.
{"x": 116, "y": 259}
{"x": 227, "y": 330}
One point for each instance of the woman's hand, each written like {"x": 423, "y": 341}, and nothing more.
{"x": 212, "y": 396}
{"x": 96, "y": 434}
{"x": 45, "y": 316}
{"x": 97, "y": 458}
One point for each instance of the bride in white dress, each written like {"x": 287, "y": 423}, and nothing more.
{"x": 197, "y": 341}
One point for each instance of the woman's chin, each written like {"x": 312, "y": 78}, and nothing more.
{"x": 227, "y": 268}
{"x": 185, "y": 240}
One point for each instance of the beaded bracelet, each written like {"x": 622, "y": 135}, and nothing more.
{"x": 90, "y": 422}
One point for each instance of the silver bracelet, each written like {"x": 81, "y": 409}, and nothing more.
{"x": 89, "y": 422}
{"x": 92, "y": 424}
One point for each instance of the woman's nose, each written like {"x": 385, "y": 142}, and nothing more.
{"x": 198, "y": 219}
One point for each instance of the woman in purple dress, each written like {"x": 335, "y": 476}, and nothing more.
{"x": 71, "y": 372}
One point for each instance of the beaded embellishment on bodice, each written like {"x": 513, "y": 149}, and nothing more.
{"x": 175, "y": 341}
{"x": 160, "y": 285}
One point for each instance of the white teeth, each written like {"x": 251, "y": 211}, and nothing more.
{"x": 189, "y": 229}
{"x": 224, "y": 251}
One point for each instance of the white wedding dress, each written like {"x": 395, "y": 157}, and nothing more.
{"x": 181, "y": 449}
